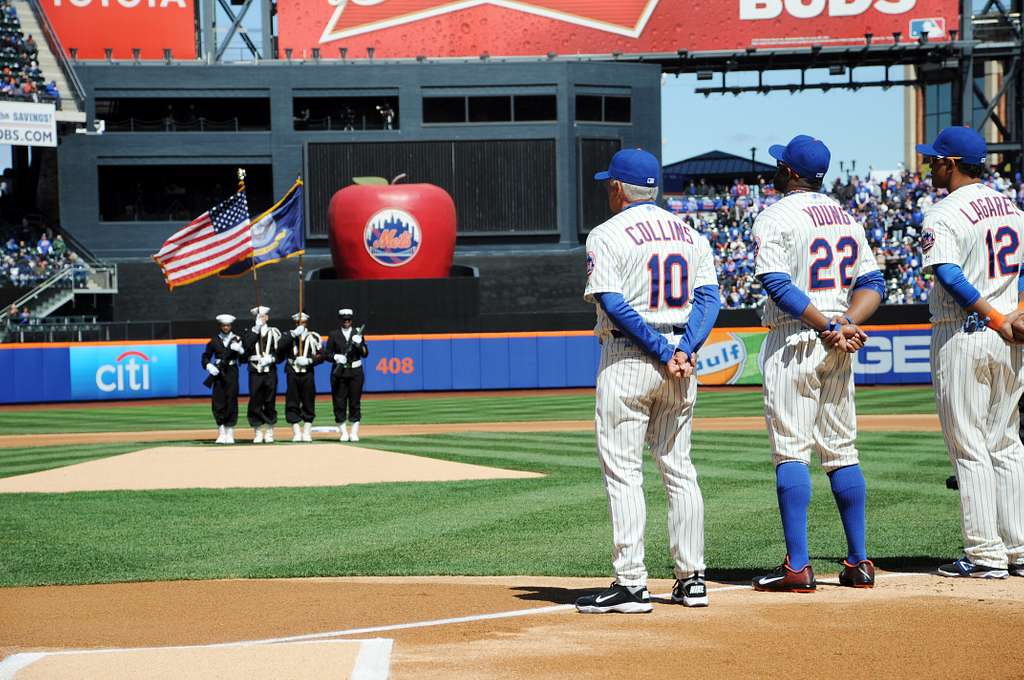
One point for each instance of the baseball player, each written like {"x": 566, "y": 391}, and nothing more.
{"x": 653, "y": 281}
{"x": 346, "y": 348}
{"x": 971, "y": 240}
{"x": 302, "y": 348}
{"x": 262, "y": 346}
{"x": 220, "y": 359}
{"x": 822, "y": 281}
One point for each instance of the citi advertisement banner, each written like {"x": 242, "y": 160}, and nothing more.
{"x": 469, "y": 28}
{"x": 90, "y": 26}
{"x": 124, "y": 372}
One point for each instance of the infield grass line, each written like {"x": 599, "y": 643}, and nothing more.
{"x": 420, "y": 411}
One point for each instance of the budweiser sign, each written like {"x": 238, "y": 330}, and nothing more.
{"x": 454, "y": 28}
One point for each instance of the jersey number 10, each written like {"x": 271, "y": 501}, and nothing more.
{"x": 671, "y": 281}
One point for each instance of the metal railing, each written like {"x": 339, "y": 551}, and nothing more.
{"x": 133, "y": 124}
{"x": 77, "y": 91}
{"x": 70, "y": 280}
{"x": 74, "y": 329}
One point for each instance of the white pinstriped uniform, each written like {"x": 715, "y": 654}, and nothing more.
{"x": 978, "y": 377}
{"x": 641, "y": 249}
{"x": 808, "y": 389}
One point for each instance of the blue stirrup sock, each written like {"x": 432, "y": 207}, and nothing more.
{"x": 850, "y": 492}
{"x": 793, "y": 485}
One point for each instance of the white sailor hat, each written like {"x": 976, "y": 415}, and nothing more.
{"x": 345, "y": 313}
{"x": 225, "y": 319}
{"x": 257, "y": 311}
{"x": 301, "y": 316}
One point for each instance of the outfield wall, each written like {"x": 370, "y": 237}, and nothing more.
{"x": 67, "y": 372}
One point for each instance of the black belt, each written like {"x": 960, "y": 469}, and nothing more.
{"x": 676, "y": 330}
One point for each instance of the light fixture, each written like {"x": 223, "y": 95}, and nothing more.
{"x": 705, "y": 75}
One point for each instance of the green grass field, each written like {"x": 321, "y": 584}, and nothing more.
{"x": 475, "y": 409}
{"x": 556, "y": 525}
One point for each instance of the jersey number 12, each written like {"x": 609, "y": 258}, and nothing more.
{"x": 670, "y": 281}
{"x": 999, "y": 257}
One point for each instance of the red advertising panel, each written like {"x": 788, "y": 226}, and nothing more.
{"x": 468, "y": 28}
{"x": 90, "y": 26}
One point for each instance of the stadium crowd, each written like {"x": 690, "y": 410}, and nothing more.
{"x": 890, "y": 209}
{"x": 20, "y": 75}
{"x": 32, "y": 255}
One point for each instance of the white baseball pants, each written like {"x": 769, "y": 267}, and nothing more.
{"x": 978, "y": 381}
{"x": 638, "y": 402}
{"x": 808, "y": 398}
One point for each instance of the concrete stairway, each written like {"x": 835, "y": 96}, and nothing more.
{"x": 48, "y": 63}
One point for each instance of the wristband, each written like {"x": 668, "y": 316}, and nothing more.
{"x": 995, "y": 320}
{"x": 1020, "y": 305}
{"x": 848, "y": 319}
{"x": 831, "y": 327}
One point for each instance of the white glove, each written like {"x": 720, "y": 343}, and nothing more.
{"x": 254, "y": 359}
{"x": 303, "y": 361}
{"x": 340, "y": 359}
{"x": 266, "y": 361}
{"x": 236, "y": 346}
{"x": 298, "y": 331}
{"x": 356, "y": 339}
{"x": 212, "y": 370}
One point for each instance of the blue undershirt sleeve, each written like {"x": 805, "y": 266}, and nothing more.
{"x": 634, "y": 327}
{"x": 783, "y": 293}
{"x": 703, "y": 314}
{"x": 1020, "y": 283}
{"x": 872, "y": 281}
{"x": 952, "y": 279}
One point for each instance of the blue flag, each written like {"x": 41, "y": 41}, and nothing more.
{"x": 277, "y": 234}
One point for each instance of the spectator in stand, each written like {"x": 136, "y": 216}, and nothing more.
{"x": 25, "y": 317}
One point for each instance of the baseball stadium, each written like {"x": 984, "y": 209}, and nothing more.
{"x": 374, "y": 339}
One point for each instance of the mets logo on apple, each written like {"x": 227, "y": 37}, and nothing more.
{"x": 392, "y": 237}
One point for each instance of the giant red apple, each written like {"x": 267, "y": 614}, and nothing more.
{"x": 392, "y": 231}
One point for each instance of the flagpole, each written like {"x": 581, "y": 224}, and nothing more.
{"x": 302, "y": 283}
{"x": 255, "y": 277}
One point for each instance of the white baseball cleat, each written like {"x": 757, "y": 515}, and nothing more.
{"x": 296, "y": 432}
{"x": 268, "y": 437}
{"x": 355, "y": 432}
{"x": 258, "y": 439}
{"x": 229, "y": 435}
{"x": 220, "y": 434}
{"x": 307, "y": 432}
{"x": 342, "y": 432}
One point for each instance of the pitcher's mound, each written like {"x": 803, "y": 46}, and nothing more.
{"x": 221, "y": 467}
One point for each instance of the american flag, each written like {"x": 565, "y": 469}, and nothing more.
{"x": 210, "y": 243}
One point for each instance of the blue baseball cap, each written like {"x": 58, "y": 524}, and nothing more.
{"x": 808, "y": 156}
{"x": 957, "y": 142}
{"x": 633, "y": 166}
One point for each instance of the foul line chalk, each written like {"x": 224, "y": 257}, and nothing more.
{"x": 372, "y": 663}
{"x": 375, "y": 653}
{"x": 491, "y": 617}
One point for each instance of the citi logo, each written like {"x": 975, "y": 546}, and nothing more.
{"x": 129, "y": 372}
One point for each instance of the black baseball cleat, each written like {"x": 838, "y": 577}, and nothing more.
{"x": 860, "y": 575}
{"x": 692, "y": 591}
{"x": 786, "y": 580}
{"x": 964, "y": 568}
{"x": 622, "y": 599}
{"x": 1016, "y": 569}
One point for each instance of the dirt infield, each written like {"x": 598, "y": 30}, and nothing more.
{"x": 866, "y": 423}
{"x": 201, "y": 467}
{"x": 911, "y": 626}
